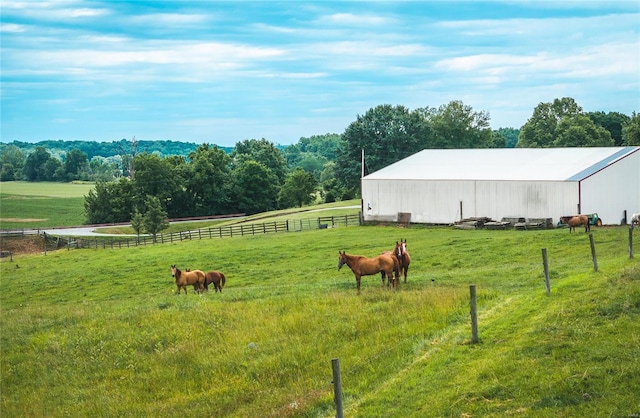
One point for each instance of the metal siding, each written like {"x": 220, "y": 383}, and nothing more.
{"x": 613, "y": 190}
{"x": 439, "y": 201}
{"x": 608, "y": 192}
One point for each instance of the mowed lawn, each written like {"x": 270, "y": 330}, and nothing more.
{"x": 41, "y": 204}
{"x": 99, "y": 332}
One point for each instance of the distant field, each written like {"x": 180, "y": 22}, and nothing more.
{"x": 39, "y": 205}
{"x": 49, "y": 189}
{"x": 27, "y": 205}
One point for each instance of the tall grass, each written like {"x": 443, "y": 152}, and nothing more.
{"x": 100, "y": 332}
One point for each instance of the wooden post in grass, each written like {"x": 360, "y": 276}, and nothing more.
{"x": 474, "y": 314}
{"x": 545, "y": 263}
{"x": 337, "y": 387}
{"x": 593, "y": 253}
{"x": 631, "y": 241}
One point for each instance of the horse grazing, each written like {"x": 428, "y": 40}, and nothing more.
{"x": 186, "y": 278}
{"x": 577, "y": 221}
{"x": 635, "y": 219}
{"x": 363, "y": 266}
{"x": 217, "y": 278}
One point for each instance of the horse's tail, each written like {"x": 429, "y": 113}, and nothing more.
{"x": 223, "y": 280}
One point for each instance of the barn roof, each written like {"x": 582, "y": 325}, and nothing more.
{"x": 535, "y": 164}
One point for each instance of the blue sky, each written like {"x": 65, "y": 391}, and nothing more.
{"x": 223, "y": 72}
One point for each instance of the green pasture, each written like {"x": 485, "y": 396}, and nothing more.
{"x": 99, "y": 332}
{"x": 31, "y": 205}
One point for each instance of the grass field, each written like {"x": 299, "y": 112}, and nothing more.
{"x": 100, "y": 333}
{"x": 41, "y": 204}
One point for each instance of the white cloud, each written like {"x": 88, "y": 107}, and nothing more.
{"x": 349, "y": 19}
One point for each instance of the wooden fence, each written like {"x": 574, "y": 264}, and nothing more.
{"x": 237, "y": 230}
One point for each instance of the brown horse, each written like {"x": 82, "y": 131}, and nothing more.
{"x": 217, "y": 278}
{"x": 383, "y": 274}
{"x": 363, "y": 266}
{"x": 403, "y": 256}
{"x": 577, "y": 221}
{"x": 186, "y": 278}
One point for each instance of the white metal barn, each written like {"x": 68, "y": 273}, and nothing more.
{"x": 443, "y": 186}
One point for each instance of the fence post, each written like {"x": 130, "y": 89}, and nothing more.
{"x": 593, "y": 253}
{"x": 545, "y": 263}
{"x": 337, "y": 387}
{"x": 474, "y": 314}
{"x": 631, "y": 241}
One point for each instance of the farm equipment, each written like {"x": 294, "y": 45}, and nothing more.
{"x": 594, "y": 220}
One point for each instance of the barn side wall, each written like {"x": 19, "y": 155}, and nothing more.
{"x": 438, "y": 202}
{"x": 613, "y": 190}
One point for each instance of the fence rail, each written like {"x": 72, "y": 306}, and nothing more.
{"x": 237, "y": 230}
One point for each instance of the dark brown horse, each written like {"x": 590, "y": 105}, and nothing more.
{"x": 363, "y": 266}
{"x": 402, "y": 254}
{"x": 217, "y": 278}
{"x": 186, "y": 278}
{"x": 578, "y": 220}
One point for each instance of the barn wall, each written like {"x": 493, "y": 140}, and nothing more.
{"x": 612, "y": 190}
{"x": 439, "y": 201}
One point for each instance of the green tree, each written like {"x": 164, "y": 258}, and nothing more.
{"x": 11, "y": 163}
{"x": 457, "y": 125}
{"x": 207, "y": 180}
{"x": 509, "y": 137}
{"x": 7, "y": 172}
{"x": 102, "y": 169}
{"x": 75, "y": 164}
{"x": 631, "y": 131}
{"x": 386, "y": 134}
{"x": 580, "y": 131}
{"x": 318, "y": 145}
{"x": 155, "y": 218}
{"x": 540, "y": 130}
{"x": 312, "y": 163}
{"x": 183, "y": 201}
{"x": 34, "y": 166}
{"x": 612, "y": 122}
{"x": 153, "y": 177}
{"x": 255, "y": 187}
{"x": 53, "y": 170}
{"x": 263, "y": 152}
{"x": 331, "y": 189}
{"x": 137, "y": 222}
{"x": 298, "y": 189}
{"x": 110, "y": 202}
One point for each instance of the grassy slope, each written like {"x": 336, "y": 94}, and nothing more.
{"x": 100, "y": 332}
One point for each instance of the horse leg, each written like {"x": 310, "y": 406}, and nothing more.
{"x": 358, "y": 283}
{"x": 406, "y": 268}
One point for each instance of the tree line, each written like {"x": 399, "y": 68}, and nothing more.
{"x": 258, "y": 175}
